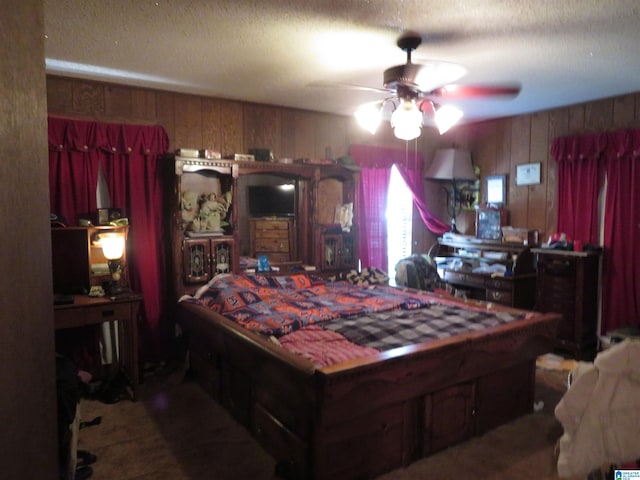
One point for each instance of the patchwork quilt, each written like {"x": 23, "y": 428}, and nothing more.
{"x": 278, "y": 305}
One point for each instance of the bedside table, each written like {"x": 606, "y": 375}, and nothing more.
{"x": 123, "y": 311}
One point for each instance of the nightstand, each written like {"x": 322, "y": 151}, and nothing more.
{"x": 123, "y": 311}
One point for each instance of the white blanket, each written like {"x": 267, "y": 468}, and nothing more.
{"x": 600, "y": 412}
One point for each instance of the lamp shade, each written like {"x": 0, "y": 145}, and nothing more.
{"x": 112, "y": 245}
{"x": 451, "y": 164}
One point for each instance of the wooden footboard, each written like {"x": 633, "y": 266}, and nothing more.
{"x": 367, "y": 416}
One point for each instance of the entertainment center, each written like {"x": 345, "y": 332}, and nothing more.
{"x": 292, "y": 225}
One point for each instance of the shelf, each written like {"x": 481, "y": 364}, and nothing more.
{"x": 484, "y": 245}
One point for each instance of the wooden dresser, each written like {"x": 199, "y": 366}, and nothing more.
{"x": 273, "y": 237}
{"x": 568, "y": 284}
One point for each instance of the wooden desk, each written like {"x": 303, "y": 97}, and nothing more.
{"x": 87, "y": 311}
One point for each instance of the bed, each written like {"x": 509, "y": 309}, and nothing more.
{"x": 343, "y": 381}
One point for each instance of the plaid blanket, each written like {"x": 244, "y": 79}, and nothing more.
{"x": 399, "y": 328}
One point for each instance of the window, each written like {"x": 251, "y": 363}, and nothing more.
{"x": 399, "y": 216}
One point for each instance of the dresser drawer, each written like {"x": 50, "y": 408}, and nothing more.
{"x": 272, "y": 245}
{"x": 263, "y": 225}
{"x": 498, "y": 283}
{"x": 557, "y": 267}
{"x": 282, "y": 234}
{"x": 499, "y": 296}
{"x": 462, "y": 278}
{"x": 77, "y": 317}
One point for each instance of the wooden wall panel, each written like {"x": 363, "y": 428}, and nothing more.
{"x": 576, "y": 119}
{"x": 59, "y": 95}
{"x": 143, "y": 105}
{"x": 188, "y": 121}
{"x": 539, "y": 153}
{"x": 304, "y": 140}
{"x": 211, "y": 124}
{"x": 263, "y": 127}
{"x": 518, "y": 196}
{"x": 331, "y": 139}
{"x": 558, "y": 127}
{"x": 89, "y": 99}
{"x": 232, "y": 117}
{"x": 118, "y": 101}
{"x": 624, "y": 109}
{"x": 27, "y": 367}
{"x": 598, "y": 115}
{"x": 165, "y": 116}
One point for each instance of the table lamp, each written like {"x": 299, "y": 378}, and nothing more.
{"x": 113, "y": 244}
{"x": 452, "y": 166}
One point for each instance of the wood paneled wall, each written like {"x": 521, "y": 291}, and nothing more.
{"x": 27, "y": 357}
{"x": 230, "y": 126}
{"x": 201, "y": 122}
{"x": 499, "y": 146}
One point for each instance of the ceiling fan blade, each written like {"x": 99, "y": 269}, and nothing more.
{"x": 456, "y": 92}
{"x": 347, "y": 86}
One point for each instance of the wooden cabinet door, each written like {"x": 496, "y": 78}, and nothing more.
{"x": 448, "y": 417}
{"x": 204, "y": 258}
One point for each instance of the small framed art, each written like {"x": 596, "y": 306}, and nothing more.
{"x": 496, "y": 190}
{"x": 528, "y": 174}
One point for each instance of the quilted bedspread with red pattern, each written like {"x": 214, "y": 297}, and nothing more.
{"x": 278, "y": 305}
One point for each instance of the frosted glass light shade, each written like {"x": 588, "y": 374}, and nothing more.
{"x": 446, "y": 117}
{"x": 406, "y": 120}
{"x": 369, "y": 116}
{"x": 112, "y": 245}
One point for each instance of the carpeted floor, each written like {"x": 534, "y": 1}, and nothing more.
{"x": 177, "y": 432}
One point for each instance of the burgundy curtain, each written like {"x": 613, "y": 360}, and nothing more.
{"x": 73, "y": 168}
{"x": 621, "y": 288}
{"x": 375, "y": 163}
{"x": 130, "y": 159}
{"x": 583, "y": 162}
{"x": 580, "y": 175}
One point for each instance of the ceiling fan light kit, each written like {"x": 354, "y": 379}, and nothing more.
{"x": 414, "y": 90}
{"x": 446, "y": 117}
{"x": 406, "y": 120}
{"x": 369, "y": 116}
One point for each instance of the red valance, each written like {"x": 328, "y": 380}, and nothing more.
{"x": 385, "y": 157}
{"x": 86, "y": 136}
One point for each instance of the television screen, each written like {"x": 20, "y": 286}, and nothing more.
{"x": 272, "y": 200}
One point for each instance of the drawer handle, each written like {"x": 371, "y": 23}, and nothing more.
{"x": 108, "y": 313}
{"x": 496, "y": 295}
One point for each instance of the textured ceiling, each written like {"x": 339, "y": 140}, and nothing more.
{"x": 271, "y": 51}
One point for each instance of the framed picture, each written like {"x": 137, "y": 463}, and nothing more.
{"x": 489, "y": 222}
{"x": 528, "y": 174}
{"x": 496, "y": 189}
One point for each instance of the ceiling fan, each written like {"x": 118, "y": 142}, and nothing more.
{"x": 416, "y": 90}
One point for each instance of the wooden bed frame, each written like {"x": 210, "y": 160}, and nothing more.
{"x": 361, "y": 418}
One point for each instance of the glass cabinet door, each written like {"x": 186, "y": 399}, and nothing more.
{"x": 346, "y": 252}
{"x": 196, "y": 254}
{"x": 221, "y": 256}
{"x": 329, "y": 251}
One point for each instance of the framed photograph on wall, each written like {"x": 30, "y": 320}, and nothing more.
{"x": 496, "y": 190}
{"x": 528, "y": 174}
